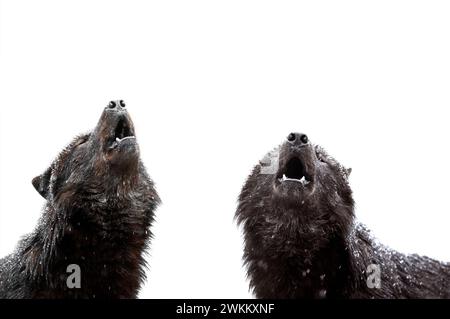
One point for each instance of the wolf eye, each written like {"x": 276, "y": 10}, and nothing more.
{"x": 81, "y": 142}
{"x": 320, "y": 157}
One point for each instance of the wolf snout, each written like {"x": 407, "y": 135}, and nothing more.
{"x": 298, "y": 139}
{"x": 118, "y": 105}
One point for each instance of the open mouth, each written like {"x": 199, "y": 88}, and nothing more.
{"x": 294, "y": 171}
{"x": 122, "y": 132}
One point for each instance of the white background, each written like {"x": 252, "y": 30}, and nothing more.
{"x": 212, "y": 86}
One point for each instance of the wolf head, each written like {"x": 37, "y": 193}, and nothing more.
{"x": 99, "y": 162}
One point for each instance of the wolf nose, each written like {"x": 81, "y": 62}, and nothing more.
{"x": 117, "y": 104}
{"x": 298, "y": 138}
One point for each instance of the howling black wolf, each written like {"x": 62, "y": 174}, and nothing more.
{"x": 301, "y": 240}
{"x": 95, "y": 226}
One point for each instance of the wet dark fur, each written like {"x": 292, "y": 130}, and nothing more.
{"x": 99, "y": 207}
{"x": 306, "y": 244}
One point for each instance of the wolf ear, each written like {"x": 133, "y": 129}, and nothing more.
{"x": 348, "y": 171}
{"x": 42, "y": 182}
